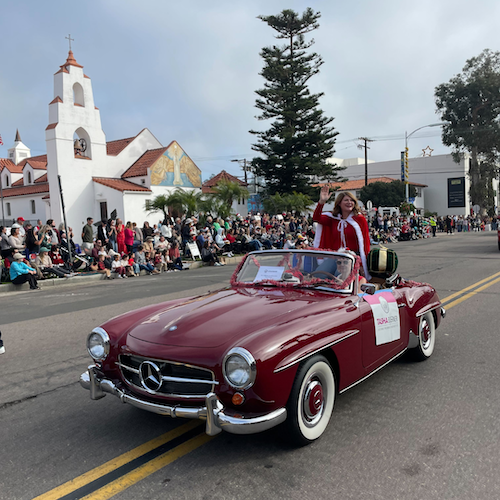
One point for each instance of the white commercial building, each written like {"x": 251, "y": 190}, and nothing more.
{"x": 447, "y": 183}
{"x": 97, "y": 177}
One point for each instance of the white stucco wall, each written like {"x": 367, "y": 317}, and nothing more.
{"x": 20, "y": 206}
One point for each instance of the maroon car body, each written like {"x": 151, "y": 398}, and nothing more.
{"x": 265, "y": 350}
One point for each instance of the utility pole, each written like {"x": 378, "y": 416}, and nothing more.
{"x": 366, "y": 148}
{"x": 245, "y": 168}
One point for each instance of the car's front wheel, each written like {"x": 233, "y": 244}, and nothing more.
{"x": 311, "y": 401}
{"x": 426, "y": 337}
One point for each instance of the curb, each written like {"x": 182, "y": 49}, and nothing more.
{"x": 84, "y": 278}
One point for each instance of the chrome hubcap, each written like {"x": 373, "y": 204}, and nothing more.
{"x": 425, "y": 334}
{"x": 313, "y": 402}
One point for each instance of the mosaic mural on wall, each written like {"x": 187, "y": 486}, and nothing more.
{"x": 175, "y": 168}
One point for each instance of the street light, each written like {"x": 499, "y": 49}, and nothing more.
{"x": 407, "y": 167}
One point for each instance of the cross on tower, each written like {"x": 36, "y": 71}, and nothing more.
{"x": 70, "y": 40}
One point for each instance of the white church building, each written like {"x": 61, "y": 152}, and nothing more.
{"x": 97, "y": 177}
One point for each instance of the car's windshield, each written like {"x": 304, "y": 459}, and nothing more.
{"x": 332, "y": 270}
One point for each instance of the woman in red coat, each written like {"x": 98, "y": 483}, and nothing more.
{"x": 129, "y": 237}
{"x": 346, "y": 227}
{"x": 120, "y": 237}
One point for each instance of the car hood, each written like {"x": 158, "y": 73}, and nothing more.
{"x": 216, "y": 318}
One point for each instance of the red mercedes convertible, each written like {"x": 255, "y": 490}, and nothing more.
{"x": 294, "y": 329}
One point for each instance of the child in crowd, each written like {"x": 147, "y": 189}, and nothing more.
{"x": 135, "y": 267}
{"x": 129, "y": 271}
{"x": 116, "y": 267}
{"x": 101, "y": 267}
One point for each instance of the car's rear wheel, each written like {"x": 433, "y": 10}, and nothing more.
{"x": 426, "y": 337}
{"x": 311, "y": 401}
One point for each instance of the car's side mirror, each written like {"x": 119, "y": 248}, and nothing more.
{"x": 368, "y": 288}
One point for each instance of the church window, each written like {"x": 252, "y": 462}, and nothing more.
{"x": 78, "y": 96}
{"x": 29, "y": 177}
{"x": 6, "y": 181}
{"x": 143, "y": 181}
{"x": 33, "y": 207}
{"x": 7, "y": 206}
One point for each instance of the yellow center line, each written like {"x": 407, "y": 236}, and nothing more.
{"x": 147, "y": 469}
{"x": 117, "y": 462}
{"x": 452, "y": 296}
{"x": 469, "y": 295}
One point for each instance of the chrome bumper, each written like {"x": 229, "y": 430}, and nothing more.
{"x": 212, "y": 412}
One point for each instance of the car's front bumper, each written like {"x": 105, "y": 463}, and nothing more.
{"x": 212, "y": 412}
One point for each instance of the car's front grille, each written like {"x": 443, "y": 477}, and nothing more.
{"x": 167, "y": 378}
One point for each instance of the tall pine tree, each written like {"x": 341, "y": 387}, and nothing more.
{"x": 300, "y": 139}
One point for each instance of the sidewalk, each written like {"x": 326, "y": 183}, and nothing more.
{"x": 89, "y": 277}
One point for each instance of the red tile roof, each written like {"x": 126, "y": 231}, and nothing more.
{"x": 25, "y": 190}
{"x": 51, "y": 125}
{"x": 57, "y": 99}
{"x": 358, "y": 184}
{"x": 37, "y": 165}
{"x": 120, "y": 184}
{"x": 10, "y": 166}
{"x": 140, "y": 167}
{"x": 37, "y": 162}
{"x": 113, "y": 148}
{"x": 20, "y": 182}
{"x": 208, "y": 185}
{"x": 71, "y": 61}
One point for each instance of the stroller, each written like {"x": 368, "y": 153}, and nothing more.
{"x": 78, "y": 263}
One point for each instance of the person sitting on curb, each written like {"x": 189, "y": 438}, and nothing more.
{"x": 44, "y": 264}
{"x": 102, "y": 268}
{"x": 21, "y": 273}
{"x": 140, "y": 259}
{"x": 117, "y": 268}
{"x": 209, "y": 255}
{"x": 175, "y": 257}
{"x": 133, "y": 265}
{"x": 129, "y": 270}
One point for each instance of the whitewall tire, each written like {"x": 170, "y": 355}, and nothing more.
{"x": 426, "y": 337}
{"x": 311, "y": 401}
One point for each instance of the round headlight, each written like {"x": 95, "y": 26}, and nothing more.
{"x": 239, "y": 368}
{"x": 98, "y": 344}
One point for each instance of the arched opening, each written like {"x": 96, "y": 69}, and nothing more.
{"x": 78, "y": 96}
{"x": 81, "y": 144}
{"x": 28, "y": 177}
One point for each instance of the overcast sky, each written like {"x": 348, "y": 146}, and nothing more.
{"x": 189, "y": 70}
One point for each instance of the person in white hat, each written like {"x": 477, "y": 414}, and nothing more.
{"x": 21, "y": 273}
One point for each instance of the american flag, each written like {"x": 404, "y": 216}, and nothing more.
{"x": 1, "y": 142}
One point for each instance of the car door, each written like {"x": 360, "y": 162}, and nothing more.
{"x": 381, "y": 326}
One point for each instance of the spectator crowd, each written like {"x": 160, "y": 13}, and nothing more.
{"x": 116, "y": 249}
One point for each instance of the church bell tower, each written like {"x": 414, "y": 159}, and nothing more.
{"x": 76, "y": 144}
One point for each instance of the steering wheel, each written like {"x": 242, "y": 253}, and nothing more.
{"x": 329, "y": 275}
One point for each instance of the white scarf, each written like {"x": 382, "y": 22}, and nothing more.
{"x": 342, "y": 224}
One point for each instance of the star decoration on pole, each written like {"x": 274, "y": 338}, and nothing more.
{"x": 427, "y": 151}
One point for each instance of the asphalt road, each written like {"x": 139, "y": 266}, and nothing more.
{"x": 412, "y": 431}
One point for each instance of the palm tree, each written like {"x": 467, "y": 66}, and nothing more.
{"x": 159, "y": 203}
{"x": 227, "y": 192}
{"x": 180, "y": 200}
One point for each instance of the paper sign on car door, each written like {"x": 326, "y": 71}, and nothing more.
{"x": 386, "y": 317}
